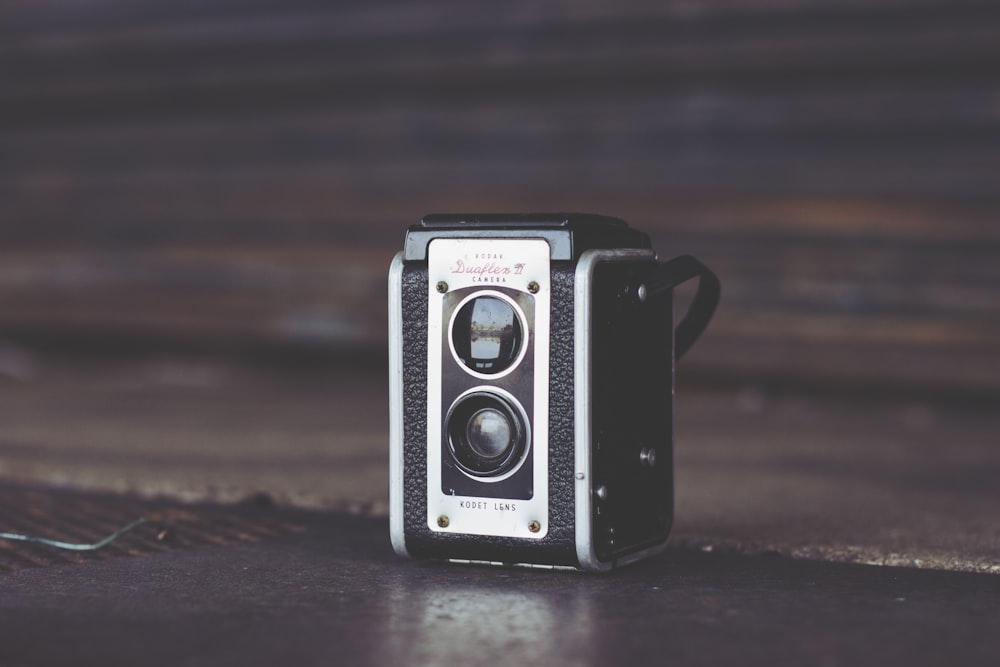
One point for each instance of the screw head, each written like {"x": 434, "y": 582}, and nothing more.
{"x": 533, "y": 287}
{"x": 534, "y": 526}
{"x": 647, "y": 457}
{"x": 442, "y": 287}
{"x": 443, "y": 521}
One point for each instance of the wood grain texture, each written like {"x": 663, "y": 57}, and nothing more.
{"x": 879, "y": 481}
{"x": 224, "y": 173}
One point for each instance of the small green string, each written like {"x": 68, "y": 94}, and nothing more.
{"x": 71, "y": 545}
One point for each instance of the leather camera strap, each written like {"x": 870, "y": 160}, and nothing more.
{"x": 670, "y": 274}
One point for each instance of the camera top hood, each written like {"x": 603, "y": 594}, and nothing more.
{"x": 568, "y": 234}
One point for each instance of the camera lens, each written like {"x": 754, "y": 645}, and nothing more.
{"x": 487, "y": 334}
{"x": 489, "y": 433}
{"x": 486, "y": 434}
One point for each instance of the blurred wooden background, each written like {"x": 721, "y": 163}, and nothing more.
{"x": 234, "y": 177}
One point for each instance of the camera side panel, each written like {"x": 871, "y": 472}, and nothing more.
{"x": 624, "y": 401}
{"x": 632, "y": 414}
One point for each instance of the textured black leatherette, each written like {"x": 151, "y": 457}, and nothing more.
{"x": 414, "y": 298}
{"x": 558, "y": 547}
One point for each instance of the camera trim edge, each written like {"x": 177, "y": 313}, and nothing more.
{"x": 397, "y": 533}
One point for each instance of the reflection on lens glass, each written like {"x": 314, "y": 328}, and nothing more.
{"x": 486, "y": 434}
{"x": 489, "y": 433}
{"x": 487, "y": 334}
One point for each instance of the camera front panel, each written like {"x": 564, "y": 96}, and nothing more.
{"x": 486, "y": 428}
{"x": 487, "y": 387}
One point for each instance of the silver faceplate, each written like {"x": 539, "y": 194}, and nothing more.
{"x": 512, "y": 264}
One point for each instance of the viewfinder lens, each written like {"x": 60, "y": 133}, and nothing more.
{"x": 487, "y": 334}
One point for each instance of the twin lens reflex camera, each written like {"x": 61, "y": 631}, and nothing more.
{"x": 531, "y": 389}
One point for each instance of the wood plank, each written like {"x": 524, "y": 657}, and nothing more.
{"x": 307, "y": 210}
{"x": 879, "y": 480}
{"x": 161, "y": 69}
{"x": 21, "y": 15}
{"x": 245, "y": 296}
{"x": 803, "y": 124}
{"x": 838, "y": 310}
{"x": 185, "y": 172}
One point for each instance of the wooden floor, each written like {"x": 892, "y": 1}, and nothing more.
{"x": 893, "y": 481}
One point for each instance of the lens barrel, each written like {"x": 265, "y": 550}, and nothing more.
{"x": 486, "y": 434}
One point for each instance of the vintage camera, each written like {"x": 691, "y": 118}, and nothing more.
{"x": 531, "y": 389}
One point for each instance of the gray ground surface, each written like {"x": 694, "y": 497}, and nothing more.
{"x": 332, "y": 592}
{"x": 870, "y": 481}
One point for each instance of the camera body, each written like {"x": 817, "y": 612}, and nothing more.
{"x": 531, "y": 390}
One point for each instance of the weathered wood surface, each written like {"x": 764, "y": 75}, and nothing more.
{"x": 239, "y": 174}
{"x": 885, "y": 481}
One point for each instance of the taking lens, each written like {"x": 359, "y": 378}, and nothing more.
{"x": 489, "y": 433}
{"x": 486, "y": 434}
{"x": 487, "y": 334}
